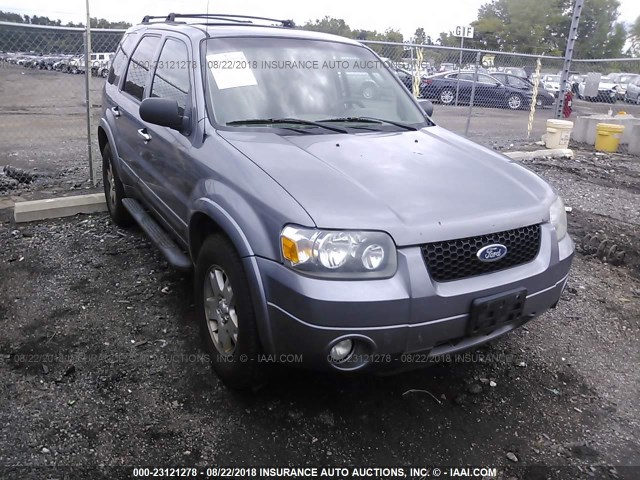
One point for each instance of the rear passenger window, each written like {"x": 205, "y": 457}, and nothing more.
{"x": 121, "y": 58}
{"x": 138, "y": 70}
{"x": 171, "y": 79}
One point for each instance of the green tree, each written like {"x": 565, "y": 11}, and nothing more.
{"x": 336, "y": 26}
{"x": 542, "y": 27}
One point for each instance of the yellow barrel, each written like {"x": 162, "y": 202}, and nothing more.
{"x": 608, "y": 137}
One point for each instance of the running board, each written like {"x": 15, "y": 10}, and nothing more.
{"x": 174, "y": 255}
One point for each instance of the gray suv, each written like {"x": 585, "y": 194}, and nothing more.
{"x": 325, "y": 228}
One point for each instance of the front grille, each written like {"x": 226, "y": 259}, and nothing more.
{"x": 456, "y": 259}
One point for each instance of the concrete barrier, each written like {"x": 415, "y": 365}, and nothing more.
{"x": 58, "y": 207}
{"x": 584, "y": 130}
{"x": 634, "y": 142}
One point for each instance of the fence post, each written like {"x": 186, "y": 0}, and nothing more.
{"x": 473, "y": 94}
{"x": 573, "y": 33}
{"x": 87, "y": 85}
{"x": 459, "y": 70}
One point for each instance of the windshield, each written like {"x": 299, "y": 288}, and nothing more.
{"x": 285, "y": 78}
{"x": 553, "y": 78}
{"x": 606, "y": 80}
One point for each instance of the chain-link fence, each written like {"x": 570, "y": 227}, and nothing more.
{"x": 502, "y": 98}
{"x": 494, "y": 98}
{"x": 44, "y": 140}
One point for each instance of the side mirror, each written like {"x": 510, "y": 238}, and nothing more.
{"x": 427, "y": 106}
{"x": 161, "y": 111}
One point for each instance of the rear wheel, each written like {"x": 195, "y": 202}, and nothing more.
{"x": 369, "y": 90}
{"x": 514, "y": 102}
{"x": 113, "y": 190}
{"x": 226, "y": 316}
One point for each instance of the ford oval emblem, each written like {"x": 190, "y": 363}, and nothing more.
{"x": 492, "y": 253}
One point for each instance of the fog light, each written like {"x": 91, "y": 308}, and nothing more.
{"x": 341, "y": 351}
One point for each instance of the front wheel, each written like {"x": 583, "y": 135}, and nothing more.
{"x": 226, "y": 315}
{"x": 447, "y": 96}
{"x": 514, "y": 102}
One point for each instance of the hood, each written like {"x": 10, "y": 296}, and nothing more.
{"x": 420, "y": 186}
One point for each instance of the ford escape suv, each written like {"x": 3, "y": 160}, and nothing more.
{"x": 327, "y": 225}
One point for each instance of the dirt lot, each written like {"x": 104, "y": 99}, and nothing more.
{"x": 101, "y": 364}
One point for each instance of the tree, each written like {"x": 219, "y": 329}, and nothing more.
{"x": 634, "y": 38}
{"x": 542, "y": 27}
{"x": 336, "y": 26}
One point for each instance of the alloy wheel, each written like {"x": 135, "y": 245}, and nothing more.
{"x": 220, "y": 310}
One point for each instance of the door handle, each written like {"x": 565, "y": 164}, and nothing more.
{"x": 116, "y": 111}
{"x": 143, "y": 133}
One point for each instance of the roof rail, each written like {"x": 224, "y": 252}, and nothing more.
{"x": 247, "y": 19}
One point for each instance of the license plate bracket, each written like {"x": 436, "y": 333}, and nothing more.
{"x": 489, "y": 313}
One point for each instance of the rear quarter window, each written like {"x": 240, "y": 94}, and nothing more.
{"x": 121, "y": 58}
{"x": 139, "y": 65}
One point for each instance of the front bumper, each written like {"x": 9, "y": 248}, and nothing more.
{"x": 407, "y": 314}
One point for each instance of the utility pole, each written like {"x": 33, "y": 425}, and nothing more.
{"x": 568, "y": 55}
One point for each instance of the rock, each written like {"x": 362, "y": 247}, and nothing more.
{"x": 512, "y": 456}
{"x": 45, "y": 450}
{"x": 327, "y": 418}
{"x": 493, "y": 384}
{"x": 475, "y": 389}
{"x": 460, "y": 399}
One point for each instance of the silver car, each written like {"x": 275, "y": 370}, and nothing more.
{"x": 632, "y": 93}
{"x": 324, "y": 228}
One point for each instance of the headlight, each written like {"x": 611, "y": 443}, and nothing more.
{"x": 558, "y": 218}
{"x": 336, "y": 253}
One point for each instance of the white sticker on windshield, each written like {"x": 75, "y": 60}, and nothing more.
{"x": 231, "y": 70}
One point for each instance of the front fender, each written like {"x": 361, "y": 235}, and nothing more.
{"x": 240, "y": 241}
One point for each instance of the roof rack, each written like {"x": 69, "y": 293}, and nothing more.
{"x": 245, "y": 19}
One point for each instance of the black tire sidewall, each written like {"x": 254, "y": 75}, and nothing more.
{"x": 118, "y": 213}
{"x": 240, "y": 370}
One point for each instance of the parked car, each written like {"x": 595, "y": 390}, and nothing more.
{"x": 622, "y": 80}
{"x": 632, "y": 94}
{"x": 551, "y": 83}
{"x": 517, "y": 71}
{"x": 544, "y": 98}
{"x": 447, "y": 67}
{"x": 347, "y": 233}
{"x": 489, "y": 91}
{"x": 607, "y": 90}
{"x": 407, "y": 80}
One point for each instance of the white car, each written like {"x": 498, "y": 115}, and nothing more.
{"x": 623, "y": 80}
{"x": 607, "y": 90}
{"x": 551, "y": 84}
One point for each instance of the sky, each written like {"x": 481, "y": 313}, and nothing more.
{"x": 434, "y": 16}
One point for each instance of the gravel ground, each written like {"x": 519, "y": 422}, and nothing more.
{"x": 101, "y": 364}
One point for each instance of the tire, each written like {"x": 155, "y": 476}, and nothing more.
{"x": 233, "y": 351}
{"x": 515, "y": 102}
{"x": 447, "y": 96}
{"x": 114, "y": 190}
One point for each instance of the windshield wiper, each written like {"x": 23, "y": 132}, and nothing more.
{"x": 293, "y": 121}
{"x": 369, "y": 120}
